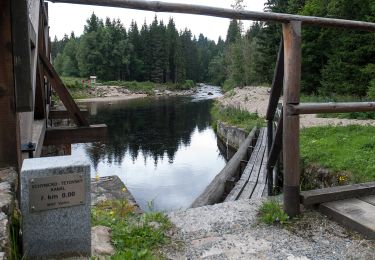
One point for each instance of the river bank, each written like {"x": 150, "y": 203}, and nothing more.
{"x": 255, "y": 100}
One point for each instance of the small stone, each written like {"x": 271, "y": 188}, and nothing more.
{"x": 101, "y": 241}
{"x": 154, "y": 224}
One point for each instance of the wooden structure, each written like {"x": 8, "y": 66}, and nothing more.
{"x": 351, "y": 205}
{"x": 27, "y": 81}
{"x": 23, "y": 102}
{"x": 229, "y": 175}
{"x": 252, "y": 183}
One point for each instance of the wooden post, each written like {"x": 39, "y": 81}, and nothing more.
{"x": 292, "y": 78}
{"x": 10, "y": 147}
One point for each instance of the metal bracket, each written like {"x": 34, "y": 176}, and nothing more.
{"x": 29, "y": 147}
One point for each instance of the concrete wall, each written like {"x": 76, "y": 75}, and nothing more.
{"x": 231, "y": 135}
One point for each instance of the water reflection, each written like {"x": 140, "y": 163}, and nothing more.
{"x": 162, "y": 148}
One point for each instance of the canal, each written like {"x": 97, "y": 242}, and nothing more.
{"x": 163, "y": 148}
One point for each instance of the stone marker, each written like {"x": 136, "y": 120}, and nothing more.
{"x": 55, "y": 205}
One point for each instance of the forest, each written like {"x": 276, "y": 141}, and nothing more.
{"x": 334, "y": 61}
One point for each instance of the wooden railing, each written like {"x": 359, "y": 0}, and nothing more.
{"x": 287, "y": 77}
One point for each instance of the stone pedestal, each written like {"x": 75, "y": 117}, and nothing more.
{"x": 55, "y": 205}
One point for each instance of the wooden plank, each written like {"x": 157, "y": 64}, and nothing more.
{"x": 332, "y": 107}
{"x": 251, "y": 184}
{"x": 214, "y": 192}
{"x": 157, "y": 6}
{"x": 353, "y": 213}
{"x": 313, "y": 197}
{"x": 277, "y": 84}
{"x": 369, "y": 199}
{"x": 71, "y": 135}
{"x": 32, "y": 35}
{"x": 39, "y": 131}
{"x": 10, "y": 152}
{"x": 40, "y": 95}
{"x": 240, "y": 185}
{"x": 63, "y": 114}
{"x": 292, "y": 78}
{"x": 22, "y": 56}
{"x": 261, "y": 184}
{"x": 63, "y": 93}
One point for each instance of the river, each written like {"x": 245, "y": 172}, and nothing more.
{"x": 163, "y": 148}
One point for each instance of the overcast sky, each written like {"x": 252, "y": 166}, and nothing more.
{"x": 64, "y": 18}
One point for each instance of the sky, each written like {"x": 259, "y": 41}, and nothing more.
{"x": 65, "y": 18}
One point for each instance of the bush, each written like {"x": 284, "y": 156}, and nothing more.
{"x": 188, "y": 84}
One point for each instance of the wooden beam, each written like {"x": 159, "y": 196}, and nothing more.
{"x": 277, "y": 84}
{"x": 157, "y": 6}
{"x": 22, "y": 56}
{"x": 352, "y": 213}
{"x": 313, "y": 197}
{"x": 10, "y": 151}
{"x": 40, "y": 95}
{"x": 63, "y": 93}
{"x": 275, "y": 150}
{"x": 71, "y": 135}
{"x": 32, "y": 35}
{"x": 292, "y": 78}
{"x": 335, "y": 107}
{"x": 63, "y": 114}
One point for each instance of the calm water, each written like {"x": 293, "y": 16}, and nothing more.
{"x": 163, "y": 149}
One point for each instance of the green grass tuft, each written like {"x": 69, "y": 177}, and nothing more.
{"x": 271, "y": 213}
{"x": 134, "y": 236}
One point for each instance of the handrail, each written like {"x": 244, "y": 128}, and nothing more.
{"x": 334, "y": 107}
{"x": 158, "y": 6}
{"x": 277, "y": 84}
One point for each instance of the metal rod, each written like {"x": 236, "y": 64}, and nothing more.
{"x": 158, "y": 6}
{"x": 342, "y": 107}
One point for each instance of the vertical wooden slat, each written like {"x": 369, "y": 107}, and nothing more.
{"x": 292, "y": 78}
{"x": 22, "y": 56}
{"x": 10, "y": 153}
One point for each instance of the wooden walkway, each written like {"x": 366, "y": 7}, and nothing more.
{"x": 353, "y": 205}
{"x": 253, "y": 181}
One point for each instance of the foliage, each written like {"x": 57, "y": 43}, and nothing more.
{"x": 271, "y": 213}
{"x": 134, "y": 236}
{"x": 15, "y": 238}
{"x": 235, "y": 117}
{"x": 341, "y": 149}
{"x": 156, "y": 53}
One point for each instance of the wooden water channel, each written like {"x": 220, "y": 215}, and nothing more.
{"x": 27, "y": 78}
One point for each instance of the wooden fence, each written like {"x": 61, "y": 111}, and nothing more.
{"x": 287, "y": 79}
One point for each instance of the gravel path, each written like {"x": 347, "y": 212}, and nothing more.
{"x": 255, "y": 99}
{"x": 231, "y": 231}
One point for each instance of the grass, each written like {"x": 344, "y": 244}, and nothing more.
{"x": 236, "y": 117}
{"x": 271, "y": 213}
{"x": 134, "y": 236}
{"x": 349, "y": 150}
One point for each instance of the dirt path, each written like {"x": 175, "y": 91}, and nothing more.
{"x": 255, "y": 100}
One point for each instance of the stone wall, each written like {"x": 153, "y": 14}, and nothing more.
{"x": 230, "y": 135}
{"x": 8, "y": 187}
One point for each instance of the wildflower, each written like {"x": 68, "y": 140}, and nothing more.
{"x": 123, "y": 189}
{"x": 97, "y": 177}
{"x": 111, "y": 213}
